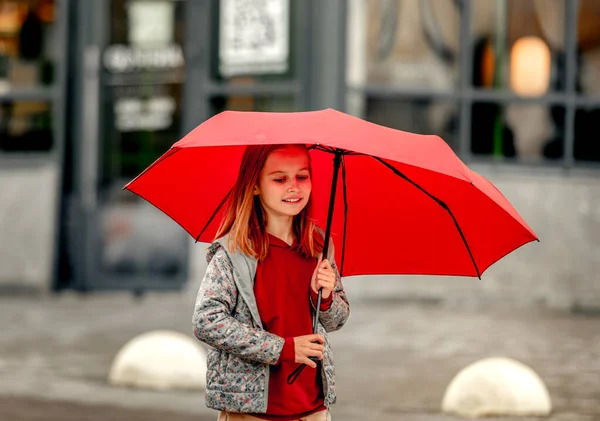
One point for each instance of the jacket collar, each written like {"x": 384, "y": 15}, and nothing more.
{"x": 244, "y": 271}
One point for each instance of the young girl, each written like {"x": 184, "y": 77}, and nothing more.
{"x": 255, "y": 304}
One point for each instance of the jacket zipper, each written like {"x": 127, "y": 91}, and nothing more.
{"x": 266, "y": 400}
{"x": 323, "y": 374}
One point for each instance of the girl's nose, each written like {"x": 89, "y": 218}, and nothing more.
{"x": 293, "y": 185}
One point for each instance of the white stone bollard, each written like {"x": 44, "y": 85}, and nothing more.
{"x": 497, "y": 387}
{"x": 162, "y": 360}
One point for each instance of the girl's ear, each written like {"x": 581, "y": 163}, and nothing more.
{"x": 255, "y": 191}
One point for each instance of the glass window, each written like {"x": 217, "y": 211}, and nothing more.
{"x": 406, "y": 43}
{"x": 139, "y": 239}
{"x": 252, "y": 40}
{"x": 27, "y": 46}
{"x": 587, "y": 84}
{"x": 516, "y": 47}
{"x": 27, "y": 58}
{"x": 141, "y": 107}
{"x": 527, "y": 132}
{"x": 587, "y": 134}
{"x": 424, "y": 117}
{"x": 25, "y": 126}
{"x": 588, "y": 48}
{"x": 145, "y": 122}
{"x": 397, "y": 47}
{"x": 144, "y": 75}
{"x": 249, "y": 103}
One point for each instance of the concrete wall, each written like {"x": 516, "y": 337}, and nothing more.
{"x": 28, "y": 196}
{"x": 562, "y": 271}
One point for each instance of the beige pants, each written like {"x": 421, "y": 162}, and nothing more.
{"x": 231, "y": 416}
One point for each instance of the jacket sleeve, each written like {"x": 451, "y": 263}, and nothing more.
{"x": 337, "y": 315}
{"x": 213, "y": 321}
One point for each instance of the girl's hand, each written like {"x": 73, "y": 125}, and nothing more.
{"x": 323, "y": 277}
{"x": 308, "y": 346}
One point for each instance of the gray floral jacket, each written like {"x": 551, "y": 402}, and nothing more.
{"x": 226, "y": 318}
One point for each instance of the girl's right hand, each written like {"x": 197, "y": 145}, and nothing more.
{"x": 305, "y": 348}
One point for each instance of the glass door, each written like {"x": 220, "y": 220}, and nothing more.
{"x": 129, "y": 108}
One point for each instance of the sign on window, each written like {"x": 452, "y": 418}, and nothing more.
{"x": 253, "y": 37}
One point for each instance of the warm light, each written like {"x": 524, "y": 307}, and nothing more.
{"x": 530, "y": 67}
{"x": 488, "y": 65}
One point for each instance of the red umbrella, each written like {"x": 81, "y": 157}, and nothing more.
{"x": 410, "y": 205}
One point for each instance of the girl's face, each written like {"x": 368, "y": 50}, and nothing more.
{"x": 284, "y": 184}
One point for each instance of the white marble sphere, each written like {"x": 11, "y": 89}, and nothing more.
{"x": 497, "y": 387}
{"x": 160, "y": 360}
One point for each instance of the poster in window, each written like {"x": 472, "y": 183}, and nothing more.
{"x": 253, "y": 37}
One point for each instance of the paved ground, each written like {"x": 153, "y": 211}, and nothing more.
{"x": 394, "y": 359}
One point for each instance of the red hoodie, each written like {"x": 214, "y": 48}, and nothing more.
{"x": 282, "y": 290}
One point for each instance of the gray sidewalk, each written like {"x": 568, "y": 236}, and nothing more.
{"x": 394, "y": 359}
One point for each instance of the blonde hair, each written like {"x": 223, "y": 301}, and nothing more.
{"x": 245, "y": 218}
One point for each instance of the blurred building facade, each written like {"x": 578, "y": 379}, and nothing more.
{"x": 91, "y": 92}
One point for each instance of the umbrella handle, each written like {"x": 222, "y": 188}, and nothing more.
{"x": 337, "y": 160}
{"x": 316, "y": 315}
{"x": 292, "y": 377}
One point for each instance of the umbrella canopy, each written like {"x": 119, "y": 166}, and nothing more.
{"x": 405, "y": 202}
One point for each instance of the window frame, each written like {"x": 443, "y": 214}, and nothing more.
{"x": 55, "y": 95}
{"x": 465, "y": 95}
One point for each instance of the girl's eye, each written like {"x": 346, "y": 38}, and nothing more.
{"x": 279, "y": 180}
{"x": 302, "y": 177}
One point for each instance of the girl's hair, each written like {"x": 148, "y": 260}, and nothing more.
{"x": 245, "y": 218}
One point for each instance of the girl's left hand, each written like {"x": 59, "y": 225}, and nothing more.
{"x": 323, "y": 277}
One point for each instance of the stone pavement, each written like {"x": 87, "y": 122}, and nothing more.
{"x": 394, "y": 358}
